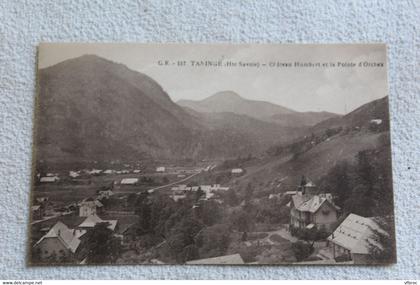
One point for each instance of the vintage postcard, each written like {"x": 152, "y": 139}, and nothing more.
{"x": 212, "y": 154}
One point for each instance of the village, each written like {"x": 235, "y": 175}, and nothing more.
{"x": 118, "y": 207}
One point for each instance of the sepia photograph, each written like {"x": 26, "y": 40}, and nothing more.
{"x": 201, "y": 154}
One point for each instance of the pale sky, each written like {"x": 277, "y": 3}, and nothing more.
{"x": 334, "y": 89}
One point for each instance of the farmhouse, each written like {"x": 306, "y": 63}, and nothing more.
{"x": 74, "y": 174}
{"x": 95, "y": 172}
{"x": 217, "y": 187}
{"x": 353, "y": 238}
{"x": 225, "y": 259}
{"x": 92, "y": 220}
{"x": 237, "y": 171}
{"x": 49, "y": 179}
{"x": 105, "y": 193}
{"x": 309, "y": 211}
{"x": 129, "y": 181}
{"x": 89, "y": 207}
{"x": 178, "y": 195}
{"x": 59, "y": 242}
{"x": 160, "y": 169}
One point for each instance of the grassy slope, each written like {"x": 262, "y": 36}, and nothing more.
{"x": 313, "y": 163}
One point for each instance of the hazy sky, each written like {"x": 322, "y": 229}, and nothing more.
{"x": 335, "y": 89}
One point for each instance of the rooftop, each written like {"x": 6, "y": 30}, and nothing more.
{"x": 311, "y": 203}
{"x": 92, "y": 220}
{"x": 68, "y": 237}
{"x": 225, "y": 259}
{"x": 129, "y": 180}
{"x": 355, "y": 233}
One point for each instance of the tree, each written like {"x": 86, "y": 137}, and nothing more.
{"x": 241, "y": 220}
{"x": 232, "y": 197}
{"x": 211, "y": 213}
{"x": 338, "y": 182}
{"x": 182, "y": 235}
{"x": 382, "y": 248}
{"x": 198, "y": 194}
{"x": 131, "y": 200}
{"x": 214, "y": 240}
{"x": 249, "y": 190}
{"x": 145, "y": 215}
{"x": 301, "y": 250}
{"x": 359, "y": 202}
{"x": 103, "y": 246}
{"x": 143, "y": 210}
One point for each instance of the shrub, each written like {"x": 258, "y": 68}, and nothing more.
{"x": 302, "y": 250}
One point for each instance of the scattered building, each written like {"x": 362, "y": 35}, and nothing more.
{"x": 309, "y": 210}
{"x": 129, "y": 181}
{"x": 376, "y": 121}
{"x": 274, "y": 196}
{"x": 160, "y": 169}
{"x": 89, "y": 207}
{"x": 95, "y": 172}
{"x": 178, "y": 195}
{"x": 180, "y": 191}
{"x": 225, "y": 259}
{"x": 108, "y": 171}
{"x": 92, "y": 220}
{"x": 42, "y": 200}
{"x": 353, "y": 238}
{"x": 49, "y": 179}
{"x": 217, "y": 187}
{"x": 105, "y": 194}
{"x": 59, "y": 242}
{"x": 74, "y": 174}
{"x": 237, "y": 171}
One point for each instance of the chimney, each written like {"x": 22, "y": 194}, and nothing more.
{"x": 302, "y": 184}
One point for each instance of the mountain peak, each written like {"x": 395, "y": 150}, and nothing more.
{"x": 230, "y": 101}
{"x": 225, "y": 95}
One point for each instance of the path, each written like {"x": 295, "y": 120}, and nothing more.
{"x": 173, "y": 183}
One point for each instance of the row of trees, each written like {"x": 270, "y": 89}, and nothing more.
{"x": 363, "y": 188}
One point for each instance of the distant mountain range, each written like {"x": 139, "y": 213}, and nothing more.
{"x": 90, "y": 108}
{"x": 324, "y": 145}
{"x": 229, "y": 101}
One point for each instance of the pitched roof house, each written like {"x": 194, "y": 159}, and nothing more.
{"x": 225, "y": 259}
{"x": 89, "y": 207}
{"x": 308, "y": 211}
{"x": 59, "y": 242}
{"x": 49, "y": 179}
{"x": 129, "y": 181}
{"x": 353, "y": 238}
{"x": 237, "y": 170}
{"x": 92, "y": 220}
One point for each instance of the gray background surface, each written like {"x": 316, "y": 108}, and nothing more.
{"x": 24, "y": 24}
